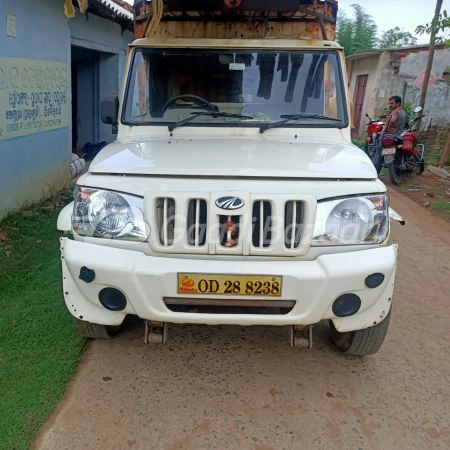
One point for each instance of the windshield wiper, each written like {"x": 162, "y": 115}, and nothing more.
{"x": 289, "y": 117}
{"x": 183, "y": 122}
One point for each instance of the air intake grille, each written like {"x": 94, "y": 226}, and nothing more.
{"x": 197, "y": 222}
{"x": 165, "y": 218}
{"x": 293, "y": 224}
{"x": 262, "y": 224}
{"x": 229, "y": 231}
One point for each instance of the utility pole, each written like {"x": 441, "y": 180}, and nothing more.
{"x": 446, "y": 153}
{"x": 426, "y": 79}
{"x": 423, "y": 95}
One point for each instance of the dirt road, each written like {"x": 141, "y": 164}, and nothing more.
{"x": 244, "y": 388}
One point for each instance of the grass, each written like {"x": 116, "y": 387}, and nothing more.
{"x": 358, "y": 143}
{"x": 443, "y": 207}
{"x": 39, "y": 348}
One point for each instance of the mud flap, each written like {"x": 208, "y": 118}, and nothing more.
{"x": 388, "y": 159}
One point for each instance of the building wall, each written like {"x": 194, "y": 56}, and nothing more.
{"x": 409, "y": 67}
{"x": 93, "y": 32}
{"x": 367, "y": 66}
{"x": 32, "y": 166}
{"x": 436, "y": 125}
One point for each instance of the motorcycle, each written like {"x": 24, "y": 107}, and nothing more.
{"x": 374, "y": 129}
{"x": 400, "y": 153}
{"x": 372, "y": 146}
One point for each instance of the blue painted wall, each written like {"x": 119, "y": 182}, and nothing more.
{"x": 32, "y": 166}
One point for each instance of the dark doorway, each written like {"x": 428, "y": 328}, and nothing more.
{"x": 94, "y": 74}
{"x": 74, "y": 107}
{"x": 361, "y": 86}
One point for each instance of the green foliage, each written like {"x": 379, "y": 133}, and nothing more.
{"x": 441, "y": 25}
{"x": 356, "y": 34}
{"x": 397, "y": 37}
{"x": 39, "y": 347}
{"x": 358, "y": 143}
{"x": 407, "y": 106}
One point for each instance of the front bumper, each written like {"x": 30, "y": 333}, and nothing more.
{"x": 147, "y": 280}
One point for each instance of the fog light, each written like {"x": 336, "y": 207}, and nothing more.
{"x": 112, "y": 299}
{"x": 374, "y": 280}
{"x": 346, "y": 305}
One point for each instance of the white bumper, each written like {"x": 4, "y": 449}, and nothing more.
{"x": 147, "y": 280}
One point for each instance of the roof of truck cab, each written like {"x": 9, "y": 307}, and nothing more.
{"x": 279, "y": 44}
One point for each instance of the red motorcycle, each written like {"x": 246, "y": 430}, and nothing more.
{"x": 372, "y": 146}
{"x": 401, "y": 155}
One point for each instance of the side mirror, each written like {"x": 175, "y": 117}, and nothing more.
{"x": 418, "y": 109}
{"x": 109, "y": 110}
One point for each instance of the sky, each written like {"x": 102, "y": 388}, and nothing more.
{"x": 388, "y": 14}
{"x": 405, "y": 14}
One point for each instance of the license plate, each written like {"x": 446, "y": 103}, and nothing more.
{"x": 198, "y": 284}
{"x": 388, "y": 151}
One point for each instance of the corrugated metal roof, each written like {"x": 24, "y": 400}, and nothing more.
{"x": 116, "y": 8}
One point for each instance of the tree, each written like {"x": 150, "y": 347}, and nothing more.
{"x": 440, "y": 23}
{"x": 356, "y": 34}
{"x": 397, "y": 37}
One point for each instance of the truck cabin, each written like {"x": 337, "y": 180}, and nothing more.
{"x": 257, "y": 60}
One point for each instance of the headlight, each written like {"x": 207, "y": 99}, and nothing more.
{"x": 352, "y": 221}
{"x": 107, "y": 214}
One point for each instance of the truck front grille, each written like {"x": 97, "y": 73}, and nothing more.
{"x": 293, "y": 222}
{"x": 197, "y": 222}
{"x": 229, "y": 230}
{"x": 165, "y": 216}
{"x": 262, "y": 224}
{"x": 191, "y": 223}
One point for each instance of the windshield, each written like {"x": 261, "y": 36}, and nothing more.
{"x": 168, "y": 86}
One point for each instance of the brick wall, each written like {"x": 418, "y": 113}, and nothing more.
{"x": 434, "y": 139}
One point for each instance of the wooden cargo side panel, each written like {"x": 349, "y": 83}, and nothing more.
{"x": 291, "y": 20}
{"x": 241, "y": 30}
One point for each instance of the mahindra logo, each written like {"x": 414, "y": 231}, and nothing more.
{"x": 188, "y": 282}
{"x": 230, "y": 203}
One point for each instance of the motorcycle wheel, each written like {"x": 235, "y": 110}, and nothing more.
{"x": 394, "y": 173}
{"x": 420, "y": 168}
{"x": 377, "y": 161}
{"x": 366, "y": 148}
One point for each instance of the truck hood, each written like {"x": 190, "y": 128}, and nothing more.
{"x": 234, "y": 157}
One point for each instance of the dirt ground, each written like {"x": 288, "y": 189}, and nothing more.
{"x": 429, "y": 190}
{"x": 244, "y": 388}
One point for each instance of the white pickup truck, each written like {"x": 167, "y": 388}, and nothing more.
{"x": 233, "y": 195}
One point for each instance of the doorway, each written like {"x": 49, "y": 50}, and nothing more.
{"x": 361, "y": 86}
{"x": 94, "y": 74}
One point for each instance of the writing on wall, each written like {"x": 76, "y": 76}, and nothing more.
{"x": 33, "y": 97}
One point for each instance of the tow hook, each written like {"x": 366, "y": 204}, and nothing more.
{"x": 301, "y": 336}
{"x": 155, "y": 332}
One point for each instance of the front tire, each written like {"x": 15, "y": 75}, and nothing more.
{"x": 95, "y": 330}
{"x": 394, "y": 174}
{"x": 420, "y": 168}
{"x": 361, "y": 342}
{"x": 376, "y": 157}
